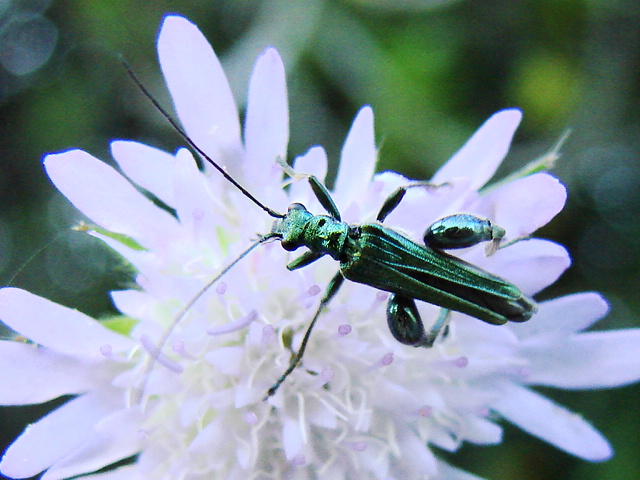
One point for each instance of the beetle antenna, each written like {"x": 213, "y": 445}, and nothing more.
{"x": 193, "y": 145}
{"x": 155, "y": 350}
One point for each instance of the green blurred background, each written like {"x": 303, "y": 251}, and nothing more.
{"x": 433, "y": 72}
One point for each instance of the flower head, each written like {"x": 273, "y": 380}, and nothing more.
{"x": 182, "y": 389}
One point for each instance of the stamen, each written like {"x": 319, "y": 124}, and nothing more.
{"x": 158, "y": 356}
{"x": 314, "y": 290}
{"x": 298, "y": 460}
{"x": 180, "y": 349}
{"x": 268, "y": 332}
{"x": 358, "y": 446}
{"x": 106, "y": 350}
{"x": 234, "y": 326}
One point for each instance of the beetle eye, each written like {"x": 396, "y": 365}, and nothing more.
{"x": 289, "y": 246}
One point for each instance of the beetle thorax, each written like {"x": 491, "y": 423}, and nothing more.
{"x": 319, "y": 233}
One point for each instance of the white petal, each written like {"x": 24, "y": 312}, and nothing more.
{"x": 564, "y": 315}
{"x": 59, "y": 328}
{"x": 541, "y": 417}
{"x": 148, "y": 167}
{"x": 267, "y": 124}
{"x": 523, "y": 206}
{"x": 107, "y": 198}
{"x": 357, "y": 161}
{"x": 113, "y": 438}
{"x": 34, "y": 375}
{"x": 56, "y": 435}
{"x": 587, "y": 360}
{"x": 480, "y": 157}
{"x": 200, "y": 90}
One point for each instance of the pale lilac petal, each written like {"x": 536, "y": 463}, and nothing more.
{"x": 530, "y": 264}
{"x": 523, "y": 206}
{"x": 33, "y": 374}
{"x": 123, "y": 473}
{"x": 113, "y": 438}
{"x": 52, "y": 437}
{"x": 192, "y": 195}
{"x": 416, "y": 456}
{"x": 481, "y": 156}
{"x": 483, "y": 431}
{"x": 447, "y": 472}
{"x": 543, "y": 418}
{"x": 564, "y": 315}
{"x": 292, "y": 437}
{"x": 148, "y": 167}
{"x": 357, "y": 161}
{"x": 314, "y": 162}
{"x": 130, "y": 302}
{"x": 60, "y": 328}
{"x": 227, "y": 359}
{"x": 107, "y": 198}
{"x": 200, "y": 91}
{"x": 267, "y": 124}
{"x": 587, "y": 360}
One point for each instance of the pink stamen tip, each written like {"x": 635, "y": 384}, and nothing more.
{"x": 344, "y": 329}
{"x": 268, "y": 332}
{"x": 425, "y": 411}
{"x": 313, "y": 290}
{"x": 461, "y": 362}
{"x": 381, "y": 296}
{"x": 483, "y": 412}
{"x": 387, "y": 359}
{"x": 180, "y": 348}
{"x": 106, "y": 350}
{"x": 221, "y": 288}
{"x": 326, "y": 374}
{"x": 359, "y": 446}
{"x": 251, "y": 418}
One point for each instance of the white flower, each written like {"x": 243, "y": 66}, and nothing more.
{"x": 361, "y": 404}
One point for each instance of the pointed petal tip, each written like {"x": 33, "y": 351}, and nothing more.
{"x": 171, "y": 20}
{"x": 271, "y": 54}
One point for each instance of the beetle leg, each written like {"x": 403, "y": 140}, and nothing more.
{"x": 319, "y": 190}
{"x": 406, "y": 326}
{"x": 397, "y": 195}
{"x": 330, "y": 292}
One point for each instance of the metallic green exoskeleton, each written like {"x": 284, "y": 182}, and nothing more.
{"x": 378, "y": 256}
{"x": 375, "y": 255}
